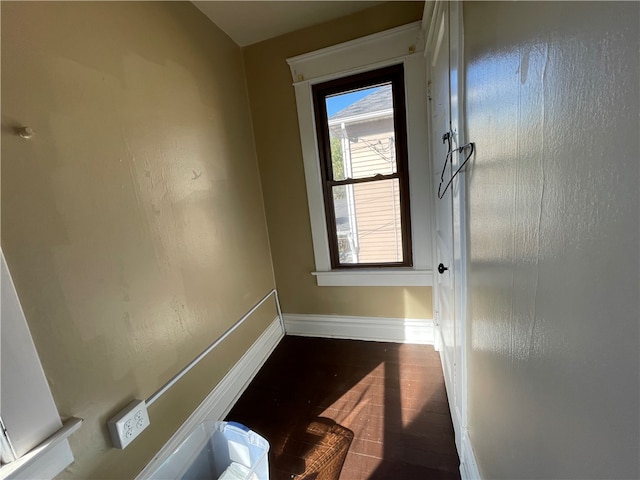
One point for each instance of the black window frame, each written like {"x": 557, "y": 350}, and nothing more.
{"x": 395, "y": 75}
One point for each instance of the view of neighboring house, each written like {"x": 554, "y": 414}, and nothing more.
{"x": 367, "y": 214}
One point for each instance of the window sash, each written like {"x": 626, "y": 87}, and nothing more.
{"x": 395, "y": 76}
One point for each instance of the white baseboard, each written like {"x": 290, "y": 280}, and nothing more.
{"x": 398, "y": 330}
{"x": 468, "y": 466}
{"x": 222, "y": 398}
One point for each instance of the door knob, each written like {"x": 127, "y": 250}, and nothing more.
{"x": 442, "y": 268}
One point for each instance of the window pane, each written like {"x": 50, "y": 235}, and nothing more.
{"x": 361, "y": 132}
{"x": 368, "y": 223}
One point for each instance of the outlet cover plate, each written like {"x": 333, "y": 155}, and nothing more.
{"x": 128, "y": 424}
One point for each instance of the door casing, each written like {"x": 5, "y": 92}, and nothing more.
{"x": 445, "y": 37}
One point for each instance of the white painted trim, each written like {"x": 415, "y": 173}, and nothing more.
{"x": 448, "y": 374}
{"x": 47, "y": 465}
{"x": 35, "y": 431}
{"x": 374, "y": 278}
{"x": 456, "y": 32}
{"x": 427, "y": 16}
{"x": 357, "y": 54}
{"x": 436, "y": 10}
{"x": 312, "y": 176}
{"x": 47, "y": 459}
{"x": 402, "y": 45}
{"x": 468, "y": 466}
{"x": 208, "y": 350}
{"x": 225, "y": 394}
{"x": 419, "y": 166}
{"x": 397, "y": 330}
{"x": 459, "y": 413}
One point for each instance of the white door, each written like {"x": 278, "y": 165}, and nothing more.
{"x": 449, "y": 293}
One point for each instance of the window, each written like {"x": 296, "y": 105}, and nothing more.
{"x": 348, "y": 250}
{"x": 361, "y": 129}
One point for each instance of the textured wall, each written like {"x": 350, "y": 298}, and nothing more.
{"x": 132, "y": 222}
{"x": 552, "y": 104}
{"x": 275, "y": 122}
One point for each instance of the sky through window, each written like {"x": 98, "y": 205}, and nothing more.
{"x": 343, "y": 100}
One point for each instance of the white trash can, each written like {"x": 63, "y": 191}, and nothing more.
{"x": 218, "y": 451}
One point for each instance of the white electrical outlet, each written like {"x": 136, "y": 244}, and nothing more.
{"x": 128, "y": 424}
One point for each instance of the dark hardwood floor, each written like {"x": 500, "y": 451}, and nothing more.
{"x": 382, "y": 405}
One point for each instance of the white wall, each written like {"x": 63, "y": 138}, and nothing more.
{"x": 554, "y": 277}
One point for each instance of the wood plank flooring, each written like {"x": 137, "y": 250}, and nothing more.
{"x": 391, "y": 396}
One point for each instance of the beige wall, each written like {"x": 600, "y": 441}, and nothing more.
{"x": 277, "y": 137}
{"x": 132, "y": 222}
{"x": 552, "y": 104}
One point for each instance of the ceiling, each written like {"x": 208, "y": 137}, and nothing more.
{"x": 248, "y": 22}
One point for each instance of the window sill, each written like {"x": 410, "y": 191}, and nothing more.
{"x": 375, "y": 278}
{"x": 46, "y": 460}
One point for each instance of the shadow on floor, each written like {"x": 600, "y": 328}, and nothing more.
{"x": 351, "y": 410}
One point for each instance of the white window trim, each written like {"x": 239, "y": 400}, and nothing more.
{"x": 378, "y": 277}
{"x": 404, "y": 45}
{"x": 47, "y": 459}
{"x": 37, "y": 435}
